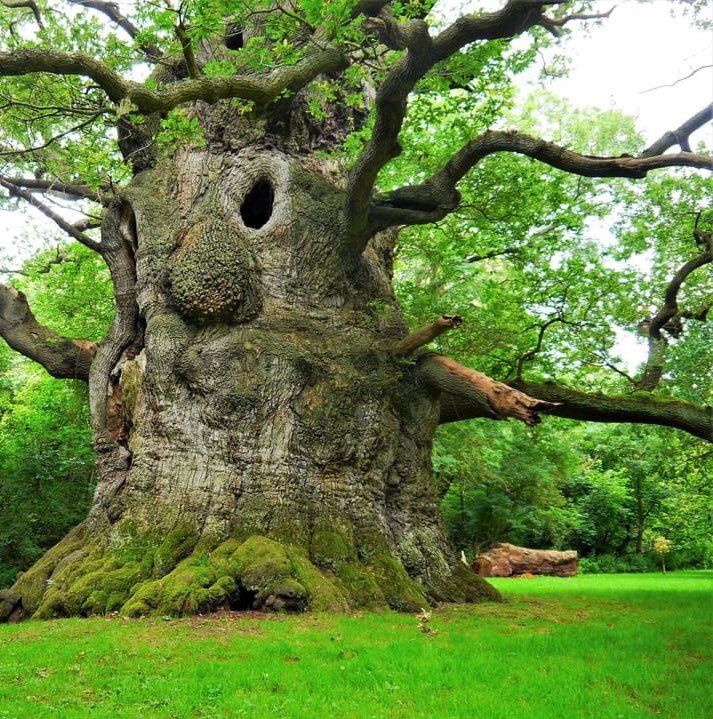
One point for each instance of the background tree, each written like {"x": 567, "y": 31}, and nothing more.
{"x": 262, "y": 418}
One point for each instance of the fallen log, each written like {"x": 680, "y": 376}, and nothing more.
{"x": 507, "y": 560}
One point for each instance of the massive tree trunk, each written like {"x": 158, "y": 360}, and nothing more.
{"x": 263, "y": 432}
{"x": 262, "y": 445}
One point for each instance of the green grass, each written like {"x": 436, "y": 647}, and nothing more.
{"x": 600, "y": 646}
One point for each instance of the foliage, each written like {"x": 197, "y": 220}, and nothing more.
{"x": 531, "y": 254}
{"x": 662, "y": 547}
{"x": 591, "y": 488}
{"x": 46, "y": 462}
{"x": 618, "y": 564}
{"x": 46, "y": 470}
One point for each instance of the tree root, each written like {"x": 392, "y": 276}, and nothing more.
{"x": 179, "y": 576}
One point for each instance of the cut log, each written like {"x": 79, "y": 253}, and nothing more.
{"x": 507, "y": 560}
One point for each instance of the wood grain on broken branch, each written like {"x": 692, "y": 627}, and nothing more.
{"x": 465, "y": 393}
{"x": 456, "y": 384}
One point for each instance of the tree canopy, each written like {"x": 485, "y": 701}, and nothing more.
{"x": 491, "y": 210}
{"x": 72, "y": 72}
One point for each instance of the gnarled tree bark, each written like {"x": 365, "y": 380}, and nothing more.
{"x": 263, "y": 438}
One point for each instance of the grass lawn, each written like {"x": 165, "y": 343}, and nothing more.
{"x": 600, "y": 646}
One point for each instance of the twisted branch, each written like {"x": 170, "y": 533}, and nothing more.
{"x": 261, "y": 90}
{"x": 422, "y": 53}
{"x": 437, "y": 196}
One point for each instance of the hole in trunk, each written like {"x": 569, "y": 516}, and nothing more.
{"x": 242, "y": 600}
{"x": 257, "y": 205}
{"x": 234, "y": 37}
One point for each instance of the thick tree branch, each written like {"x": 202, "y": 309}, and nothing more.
{"x": 668, "y": 318}
{"x": 492, "y": 255}
{"x": 62, "y": 357}
{"x": 68, "y": 227}
{"x": 465, "y": 393}
{"x": 559, "y": 157}
{"x": 572, "y": 404}
{"x": 669, "y": 310}
{"x": 259, "y": 89}
{"x": 680, "y": 136}
{"x": 437, "y": 197}
{"x": 426, "y": 334}
{"x": 423, "y": 52}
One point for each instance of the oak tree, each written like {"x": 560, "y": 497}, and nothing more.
{"x": 262, "y": 416}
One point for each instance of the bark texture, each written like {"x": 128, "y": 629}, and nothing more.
{"x": 263, "y": 433}
{"x": 261, "y": 445}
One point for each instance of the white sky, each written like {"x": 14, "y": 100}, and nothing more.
{"x": 641, "y": 46}
{"x": 611, "y": 65}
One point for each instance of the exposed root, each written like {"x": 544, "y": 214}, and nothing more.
{"x": 179, "y": 576}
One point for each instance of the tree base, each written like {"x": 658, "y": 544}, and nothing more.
{"x": 182, "y": 575}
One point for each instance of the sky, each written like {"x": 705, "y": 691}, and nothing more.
{"x": 616, "y": 63}
{"x": 612, "y": 64}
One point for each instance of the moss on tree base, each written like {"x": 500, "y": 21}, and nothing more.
{"x": 179, "y": 576}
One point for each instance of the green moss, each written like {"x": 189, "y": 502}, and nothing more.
{"x": 330, "y": 548}
{"x": 115, "y": 601}
{"x": 400, "y": 591}
{"x": 464, "y": 585}
{"x": 361, "y": 586}
{"x": 324, "y": 593}
{"x": 222, "y": 555}
{"x": 138, "y": 577}
{"x": 203, "y": 582}
{"x": 86, "y": 586}
{"x": 259, "y": 561}
{"x": 169, "y": 595}
{"x": 33, "y": 583}
{"x": 289, "y": 531}
{"x": 177, "y": 545}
